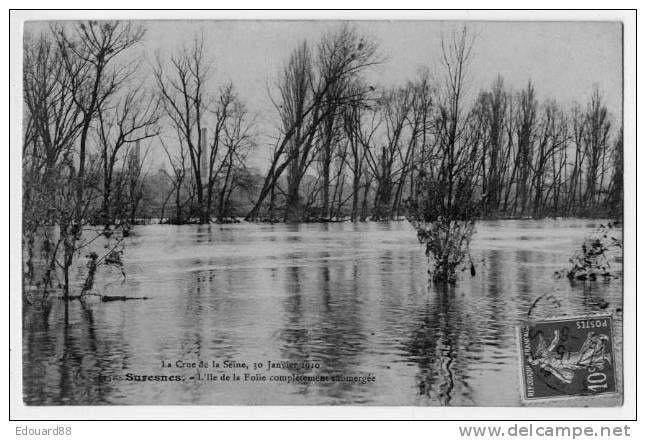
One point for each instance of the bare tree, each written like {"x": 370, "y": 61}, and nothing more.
{"x": 525, "y": 134}
{"x": 133, "y": 119}
{"x": 88, "y": 52}
{"x": 295, "y": 92}
{"x": 385, "y": 159}
{"x": 307, "y": 99}
{"x": 446, "y": 208}
{"x": 492, "y": 108}
{"x": 237, "y": 141}
{"x": 177, "y": 177}
{"x": 551, "y": 138}
{"x": 616, "y": 189}
{"x": 185, "y": 100}
{"x": 354, "y": 116}
{"x": 595, "y": 135}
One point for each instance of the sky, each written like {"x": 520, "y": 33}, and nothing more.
{"x": 564, "y": 60}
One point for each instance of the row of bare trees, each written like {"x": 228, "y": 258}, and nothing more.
{"x": 348, "y": 149}
{"x": 344, "y": 147}
{"x": 542, "y": 160}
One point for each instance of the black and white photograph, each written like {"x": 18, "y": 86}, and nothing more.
{"x": 320, "y": 212}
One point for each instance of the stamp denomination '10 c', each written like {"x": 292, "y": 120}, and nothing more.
{"x": 568, "y": 357}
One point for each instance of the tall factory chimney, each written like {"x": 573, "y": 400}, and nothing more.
{"x": 204, "y": 159}
{"x": 134, "y": 157}
{"x": 138, "y": 153}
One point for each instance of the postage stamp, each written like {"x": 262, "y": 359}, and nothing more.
{"x": 568, "y": 357}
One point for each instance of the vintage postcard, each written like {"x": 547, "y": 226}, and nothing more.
{"x": 357, "y": 212}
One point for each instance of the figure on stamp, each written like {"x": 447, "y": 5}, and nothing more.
{"x": 563, "y": 366}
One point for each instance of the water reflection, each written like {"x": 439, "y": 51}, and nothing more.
{"x": 352, "y": 297}
{"x": 295, "y": 335}
{"x": 432, "y": 344}
{"x": 71, "y": 355}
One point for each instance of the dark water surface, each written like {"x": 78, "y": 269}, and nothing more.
{"x": 353, "y": 298}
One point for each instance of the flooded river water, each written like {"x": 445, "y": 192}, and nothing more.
{"x": 353, "y": 299}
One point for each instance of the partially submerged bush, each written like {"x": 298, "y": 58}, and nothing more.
{"x": 593, "y": 261}
{"x": 112, "y": 258}
{"x": 445, "y": 224}
{"x": 447, "y": 244}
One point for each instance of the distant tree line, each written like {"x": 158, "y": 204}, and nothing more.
{"x": 344, "y": 147}
{"x": 348, "y": 148}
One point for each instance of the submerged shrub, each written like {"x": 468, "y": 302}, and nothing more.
{"x": 593, "y": 261}
{"x": 447, "y": 245}
{"x": 112, "y": 258}
{"x": 445, "y": 223}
